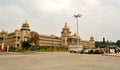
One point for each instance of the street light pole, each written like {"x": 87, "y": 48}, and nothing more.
{"x": 77, "y": 16}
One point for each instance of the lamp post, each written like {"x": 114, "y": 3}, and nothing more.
{"x": 77, "y": 16}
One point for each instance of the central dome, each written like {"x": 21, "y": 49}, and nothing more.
{"x": 25, "y": 26}
{"x": 65, "y": 27}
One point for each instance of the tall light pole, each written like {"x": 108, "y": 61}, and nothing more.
{"x": 77, "y": 16}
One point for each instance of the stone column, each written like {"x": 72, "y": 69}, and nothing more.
{"x": 7, "y": 48}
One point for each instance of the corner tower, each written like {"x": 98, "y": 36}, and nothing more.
{"x": 65, "y": 31}
{"x": 25, "y": 26}
{"x": 91, "y": 42}
{"x": 64, "y": 35}
{"x": 25, "y": 31}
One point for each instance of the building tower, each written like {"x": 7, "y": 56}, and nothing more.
{"x": 3, "y": 39}
{"x": 25, "y": 31}
{"x": 64, "y": 35}
{"x": 92, "y": 42}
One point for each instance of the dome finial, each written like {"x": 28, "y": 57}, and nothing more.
{"x": 91, "y": 38}
{"x": 65, "y": 24}
{"x": 65, "y": 27}
{"x": 25, "y": 21}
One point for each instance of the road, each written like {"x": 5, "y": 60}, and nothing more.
{"x": 59, "y": 61}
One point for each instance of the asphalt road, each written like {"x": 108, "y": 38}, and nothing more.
{"x": 59, "y": 61}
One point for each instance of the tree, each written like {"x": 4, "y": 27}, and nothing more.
{"x": 118, "y": 43}
{"x": 25, "y": 45}
{"x": 104, "y": 43}
{"x": 99, "y": 44}
{"x": 34, "y": 39}
{"x": 96, "y": 44}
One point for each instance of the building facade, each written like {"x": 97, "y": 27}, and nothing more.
{"x": 3, "y": 38}
{"x": 15, "y": 38}
{"x": 50, "y": 41}
{"x": 68, "y": 39}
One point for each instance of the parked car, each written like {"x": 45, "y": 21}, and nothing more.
{"x": 86, "y": 51}
{"x": 93, "y": 51}
{"x": 98, "y": 52}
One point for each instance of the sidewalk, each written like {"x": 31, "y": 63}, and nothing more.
{"x": 113, "y": 54}
{"x": 30, "y": 53}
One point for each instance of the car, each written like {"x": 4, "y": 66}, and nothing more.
{"x": 86, "y": 51}
{"x": 98, "y": 52}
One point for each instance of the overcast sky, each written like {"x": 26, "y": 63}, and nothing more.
{"x": 100, "y": 18}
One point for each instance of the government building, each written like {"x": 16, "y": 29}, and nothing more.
{"x": 15, "y": 38}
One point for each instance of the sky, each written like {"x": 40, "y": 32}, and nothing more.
{"x": 100, "y": 18}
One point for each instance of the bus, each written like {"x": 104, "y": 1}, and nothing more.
{"x": 75, "y": 48}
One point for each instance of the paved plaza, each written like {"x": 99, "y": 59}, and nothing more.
{"x": 58, "y": 61}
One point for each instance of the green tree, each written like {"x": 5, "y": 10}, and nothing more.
{"x": 99, "y": 44}
{"x": 104, "y": 43}
{"x": 34, "y": 39}
{"x": 25, "y": 45}
{"x": 118, "y": 43}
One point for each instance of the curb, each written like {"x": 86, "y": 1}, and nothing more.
{"x": 114, "y": 55}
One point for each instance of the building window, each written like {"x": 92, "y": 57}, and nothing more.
{"x": 18, "y": 37}
{"x": 17, "y": 45}
{"x": 26, "y": 32}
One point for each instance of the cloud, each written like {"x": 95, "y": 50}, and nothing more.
{"x": 10, "y": 12}
{"x": 11, "y": 16}
{"x": 99, "y": 17}
{"x": 52, "y": 6}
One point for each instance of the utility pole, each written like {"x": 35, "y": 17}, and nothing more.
{"x": 77, "y": 16}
